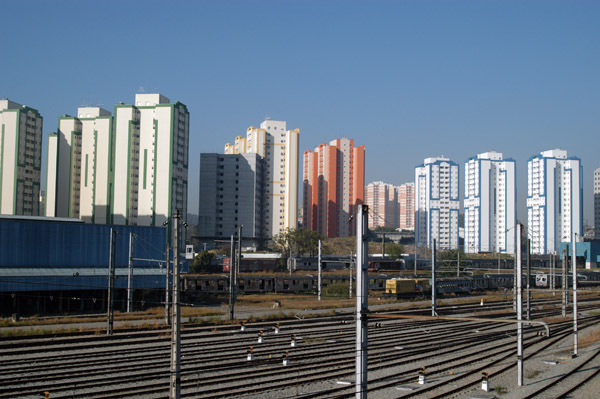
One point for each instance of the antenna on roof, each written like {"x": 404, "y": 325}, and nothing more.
{"x": 141, "y": 89}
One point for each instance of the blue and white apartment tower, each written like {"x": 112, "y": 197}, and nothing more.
{"x": 554, "y": 200}
{"x": 490, "y": 203}
{"x": 437, "y": 203}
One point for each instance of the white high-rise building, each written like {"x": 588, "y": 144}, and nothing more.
{"x": 437, "y": 203}
{"x": 279, "y": 148}
{"x": 490, "y": 204}
{"x": 130, "y": 169}
{"x": 597, "y": 203}
{"x": 79, "y": 166}
{"x": 20, "y": 159}
{"x": 150, "y": 160}
{"x": 554, "y": 200}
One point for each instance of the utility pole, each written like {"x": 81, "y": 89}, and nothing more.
{"x": 382, "y": 245}
{"x": 362, "y": 303}
{"x": 175, "y": 338}
{"x": 574, "y": 262}
{"x": 130, "y": 276}
{"x": 320, "y": 272}
{"x": 231, "y": 277}
{"x": 528, "y": 280}
{"x": 433, "y": 282}
{"x": 167, "y": 285}
{"x": 565, "y": 294}
{"x": 519, "y": 289}
{"x": 111, "y": 281}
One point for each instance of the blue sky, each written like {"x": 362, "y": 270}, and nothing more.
{"x": 409, "y": 79}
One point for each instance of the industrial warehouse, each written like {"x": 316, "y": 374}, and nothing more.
{"x": 57, "y": 265}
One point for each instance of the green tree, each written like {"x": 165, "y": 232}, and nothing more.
{"x": 299, "y": 241}
{"x": 202, "y": 262}
{"x": 284, "y": 242}
{"x": 306, "y": 241}
{"x": 394, "y": 250}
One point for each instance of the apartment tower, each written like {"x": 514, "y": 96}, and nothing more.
{"x": 20, "y": 159}
{"x": 554, "y": 200}
{"x": 406, "y": 200}
{"x": 278, "y": 147}
{"x": 334, "y": 178}
{"x": 232, "y": 192}
{"x": 490, "y": 204}
{"x": 79, "y": 166}
{"x": 437, "y": 203}
{"x": 130, "y": 169}
{"x": 384, "y": 209}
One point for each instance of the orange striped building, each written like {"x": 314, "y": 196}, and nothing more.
{"x": 334, "y": 180}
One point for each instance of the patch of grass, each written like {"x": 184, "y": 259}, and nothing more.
{"x": 532, "y": 374}
{"x": 500, "y": 390}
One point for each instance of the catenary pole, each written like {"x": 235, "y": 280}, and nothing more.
{"x": 565, "y": 278}
{"x": 552, "y": 274}
{"x": 574, "y": 262}
{"x": 238, "y": 263}
{"x": 519, "y": 282}
{"x": 362, "y": 304}
{"x": 515, "y": 279}
{"x": 111, "y": 281}
{"x": 130, "y": 276}
{"x": 528, "y": 280}
{"x": 415, "y": 255}
{"x": 320, "y": 272}
{"x": 458, "y": 262}
{"x": 231, "y": 277}
{"x": 175, "y": 338}
{"x": 433, "y": 281}
{"x": 167, "y": 284}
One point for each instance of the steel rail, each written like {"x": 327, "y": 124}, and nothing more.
{"x": 479, "y": 319}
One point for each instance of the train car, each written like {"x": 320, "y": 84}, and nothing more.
{"x": 407, "y": 286}
{"x": 541, "y": 280}
{"x": 455, "y": 285}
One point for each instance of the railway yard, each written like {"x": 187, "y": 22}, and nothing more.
{"x": 222, "y": 361}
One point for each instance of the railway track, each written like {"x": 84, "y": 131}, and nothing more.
{"x": 214, "y": 359}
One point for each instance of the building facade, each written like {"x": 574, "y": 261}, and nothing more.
{"x": 232, "y": 194}
{"x": 406, "y": 199}
{"x": 78, "y": 166}
{"x": 490, "y": 204}
{"x": 437, "y": 203}
{"x": 130, "y": 169}
{"x": 334, "y": 178}
{"x": 554, "y": 200}
{"x": 20, "y": 159}
{"x": 278, "y": 146}
{"x": 597, "y": 203}
{"x": 384, "y": 207}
